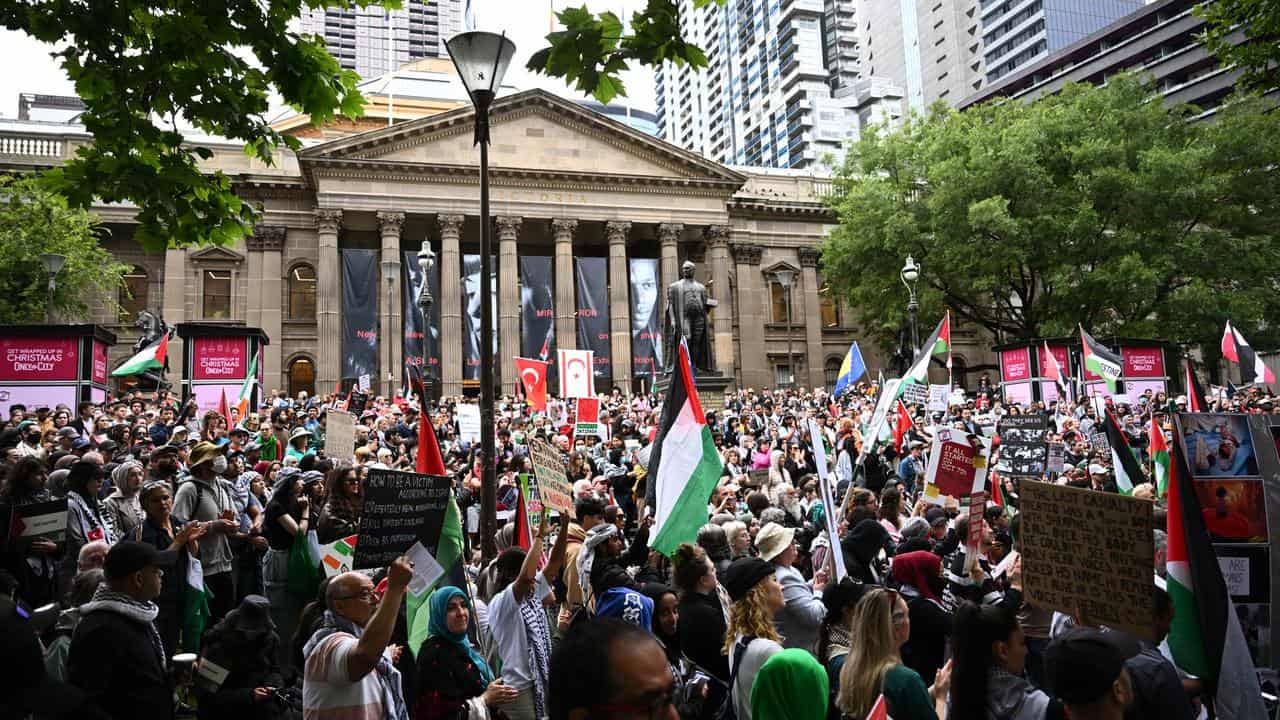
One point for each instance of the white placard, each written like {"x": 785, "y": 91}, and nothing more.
{"x": 468, "y": 423}
{"x": 1235, "y": 571}
{"x": 913, "y": 394}
{"x": 1056, "y": 460}
{"x": 363, "y": 382}
{"x": 339, "y": 435}
{"x": 938, "y": 395}
{"x": 425, "y": 568}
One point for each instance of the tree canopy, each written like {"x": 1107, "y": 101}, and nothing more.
{"x": 34, "y": 221}
{"x": 1259, "y": 22}
{"x": 593, "y": 50}
{"x": 143, "y": 69}
{"x": 1096, "y": 206}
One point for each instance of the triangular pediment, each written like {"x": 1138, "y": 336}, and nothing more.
{"x": 531, "y": 131}
{"x": 215, "y": 254}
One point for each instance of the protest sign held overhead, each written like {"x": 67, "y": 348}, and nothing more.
{"x": 400, "y": 509}
{"x": 340, "y": 435}
{"x": 1023, "y": 448}
{"x": 554, "y": 488}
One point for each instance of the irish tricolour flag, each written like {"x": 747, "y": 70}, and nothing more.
{"x": 684, "y": 463}
{"x": 152, "y": 356}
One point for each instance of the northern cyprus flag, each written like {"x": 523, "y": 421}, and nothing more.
{"x": 152, "y": 356}
{"x": 684, "y": 464}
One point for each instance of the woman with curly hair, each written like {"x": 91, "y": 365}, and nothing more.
{"x": 874, "y": 667}
{"x": 751, "y": 638}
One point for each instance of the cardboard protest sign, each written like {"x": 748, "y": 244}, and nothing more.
{"x": 757, "y": 478}
{"x": 339, "y": 435}
{"x": 938, "y": 398}
{"x": 1023, "y": 447}
{"x": 468, "y": 422}
{"x": 1090, "y": 552}
{"x": 973, "y": 541}
{"x": 400, "y": 509}
{"x": 553, "y": 486}
{"x": 43, "y": 520}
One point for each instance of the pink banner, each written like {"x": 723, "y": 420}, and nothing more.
{"x": 37, "y": 396}
{"x": 209, "y": 396}
{"x": 99, "y": 362}
{"x": 1015, "y": 364}
{"x": 37, "y": 359}
{"x": 1017, "y": 393}
{"x": 1143, "y": 362}
{"x": 219, "y": 358}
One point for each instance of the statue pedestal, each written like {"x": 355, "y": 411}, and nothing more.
{"x": 710, "y": 389}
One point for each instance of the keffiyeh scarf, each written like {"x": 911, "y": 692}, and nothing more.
{"x": 107, "y": 600}
{"x": 539, "y": 634}
{"x": 587, "y": 555}
{"x": 393, "y": 705}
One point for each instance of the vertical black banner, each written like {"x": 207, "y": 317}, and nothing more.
{"x": 418, "y": 342}
{"x": 646, "y": 325}
{"x": 471, "y": 314}
{"x": 593, "y": 312}
{"x": 537, "y": 309}
{"x": 360, "y": 314}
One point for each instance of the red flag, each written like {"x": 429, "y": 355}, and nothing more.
{"x": 429, "y": 461}
{"x": 523, "y": 536}
{"x": 902, "y": 423}
{"x": 997, "y": 489}
{"x": 879, "y": 711}
{"x": 533, "y": 376}
{"x": 223, "y": 410}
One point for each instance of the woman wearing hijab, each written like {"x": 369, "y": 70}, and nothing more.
{"x": 122, "y": 507}
{"x": 920, "y": 580}
{"x": 245, "y": 644}
{"x": 288, "y": 513}
{"x": 990, "y": 652}
{"x": 454, "y": 681}
{"x": 787, "y": 685}
{"x": 704, "y": 617}
{"x": 689, "y": 692}
{"x": 835, "y": 635}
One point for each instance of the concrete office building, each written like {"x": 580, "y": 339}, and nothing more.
{"x": 359, "y": 36}
{"x": 1016, "y": 33}
{"x": 1159, "y": 41}
{"x": 932, "y": 49}
{"x": 780, "y": 89}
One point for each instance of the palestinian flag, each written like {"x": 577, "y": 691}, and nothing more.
{"x": 1236, "y": 349}
{"x": 939, "y": 343}
{"x": 1159, "y": 450}
{"x": 151, "y": 357}
{"x": 684, "y": 465}
{"x": 1205, "y": 637}
{"x": 195, "y": 605}
{"x": 1195, "y": 393}
{"x": 1124, "y": 463}
{"x": 1100, "y": 361}
{"x": 1053, "y": 371}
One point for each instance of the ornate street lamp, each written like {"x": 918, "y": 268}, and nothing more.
{"x": 482, "y": 59}
{"x": 52, "y": 264}
{"x": 785, "y": 276}
{"x": 426, "y": 263}
{"x": 910, "y": 274}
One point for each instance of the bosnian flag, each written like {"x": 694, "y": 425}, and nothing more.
{"x": 152, "y": 356}
{"x": 1100, "y": 361}
{"x": 1236, "y": 349}
{"x": 684, "y": 464}
{"x": 576, "y": 378}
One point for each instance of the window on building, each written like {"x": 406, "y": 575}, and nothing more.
{"x": 302, "y": 292}
{"x": 777, "y": 302}
{"x": 782, "y": 375}
{"x": 133, "y": 296}
{"x": 302, "y": 377}
{"x": 829, "y": 308}
{"x": 217, "y": 294}
{"x": 831, "y": 370}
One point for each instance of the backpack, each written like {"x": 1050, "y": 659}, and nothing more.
{"x": 727, "y": 710}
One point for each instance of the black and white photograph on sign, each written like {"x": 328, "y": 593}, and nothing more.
{"x": 646, "y": 323}
{"x": 1218, "y": 445}
{"x": 1023, "y": 444}
{"x": 537, "y": 308}
{"x": 915, "y": 394}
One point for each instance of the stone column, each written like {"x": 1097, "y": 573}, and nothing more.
{"x": 174, "y": 309}
{"x": 450, "y": 304}
{"x": 266, "y": 300}
{"x": 750, "y": 303}
{"x": 619, "y": 304}
{"x": 328, "y": 300}
{"x": 566, "y": 329}
{"x": 668, "y": 263}
{"x": 717, "y": 238}
{"x": 508, "y": 299}
{"x": 391, "y": 327}
{"x": 811, "y": 314}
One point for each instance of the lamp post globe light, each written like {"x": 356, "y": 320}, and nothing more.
{"x": 481, "y": 59}
{"x": 52, "y": 263}
{"x": 910, "y": 273}
{"x": 785, "y": 277}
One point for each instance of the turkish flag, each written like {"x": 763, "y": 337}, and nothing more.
{"x": 533, "y": 377}
{"x": 901, "y": 425}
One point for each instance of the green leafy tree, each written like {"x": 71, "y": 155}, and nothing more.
{"x": 1259, "y": 22}
{"x": 593, "y": 50}
{"x": 34, "y": 221}
{"x": 143, "y": 68}
{"x": 1096, "y": 206}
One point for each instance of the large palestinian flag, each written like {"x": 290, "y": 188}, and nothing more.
{"x": 1125, "y": 464}
{"x": 939, "y": 343}
{"x": 1100, "y": 361}
{"x": 1236, "y": 349}
{"x": 684, "y": 466}
{"x": 1205, "y": 637}
{"x": 151, "y": 356}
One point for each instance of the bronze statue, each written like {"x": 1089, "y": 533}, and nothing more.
{"x": 687, "y": 309}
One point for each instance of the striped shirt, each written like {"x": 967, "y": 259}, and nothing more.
{"x": 328, "y": 694}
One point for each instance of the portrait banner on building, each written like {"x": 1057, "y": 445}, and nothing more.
{"x": 646, "y": 324}
{"x": 359, "y": 313}
{"x": 593, "y": 312}
{"x": 537, "y": 308}
{"x": 471, "y": 314}
{"x": 420, "y": 342}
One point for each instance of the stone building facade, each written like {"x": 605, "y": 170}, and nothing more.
{"x": 566, "y": 182}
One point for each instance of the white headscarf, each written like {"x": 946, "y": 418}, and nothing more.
{"x": 587, "y": 555}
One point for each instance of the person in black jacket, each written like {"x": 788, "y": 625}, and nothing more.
{"x": 703, "y": 620}
{"x": 603, "y": 564}
{"x": 245, "y": 644}
{"x": 116, "y": 656}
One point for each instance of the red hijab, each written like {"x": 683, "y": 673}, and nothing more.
{"x": 915, "y": 569}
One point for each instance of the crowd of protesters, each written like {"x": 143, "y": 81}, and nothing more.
{"x": 748, "y": 621}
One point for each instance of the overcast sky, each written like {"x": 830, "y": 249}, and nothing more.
{"x": 525, "y": 21}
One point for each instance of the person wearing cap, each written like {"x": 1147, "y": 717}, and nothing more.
{"x": 801, "y": 616}
{"x": 66, "y": 437}
{"x": 751, "y": 637}
{"x": 162, "y": 465}
{"x": 912, "y": 466}
{"x": 245, "y": 644}
{"x": 1086, "y": 672}
{"x": 30, "y": 445}
{"x": 116, "y": 655}
{"x": 205, "y": 499}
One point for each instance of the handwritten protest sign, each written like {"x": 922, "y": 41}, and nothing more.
{"x": 1088, "y": 551}
{"x": 400, "y": 509}
{"x": 339, "y": 435}
{"x": 553, "y": 486}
